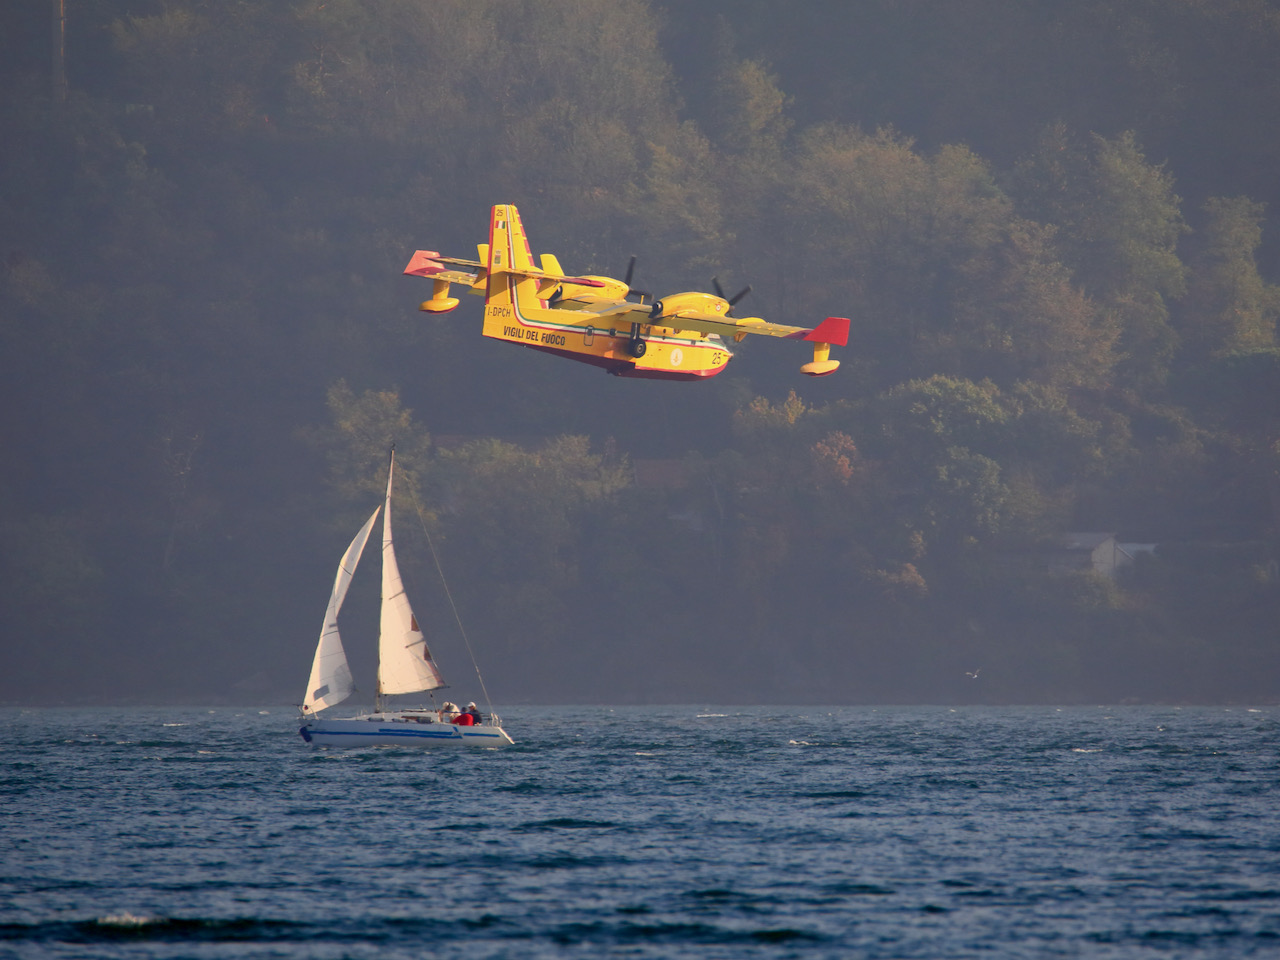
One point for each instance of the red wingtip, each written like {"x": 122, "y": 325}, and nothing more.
{"x": 422, "y": 264}
{"x": 833, "y": 330}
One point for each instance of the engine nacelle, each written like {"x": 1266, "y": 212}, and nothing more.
{"x": 696, "y": 302}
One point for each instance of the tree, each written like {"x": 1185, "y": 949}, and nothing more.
{"x": 1119, "y": 223}
{"x": 364, "y": 430}
{"x": 752, "y": 110}
{"x": 936, "y": 268}
{"x": 1229, "y": 307}
{"x": 939, "y": 482}
{"x": 1019, "y": 317}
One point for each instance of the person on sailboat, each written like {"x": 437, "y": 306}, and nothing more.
{"x": 448, "y": 711}
{"x": 474, "y": 712}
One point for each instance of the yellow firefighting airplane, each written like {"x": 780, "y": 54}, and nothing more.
{"x": 590, "y": 319}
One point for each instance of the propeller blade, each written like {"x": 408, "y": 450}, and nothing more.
{"x": 715, "y": 282}
{"x": 631, "y": 269}
{"x": 735, "y": 298}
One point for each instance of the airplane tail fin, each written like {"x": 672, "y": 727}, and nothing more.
{"x": 508, "y": 246}
{"x": 512, "y": 272}
{"x": 515, "y": 279}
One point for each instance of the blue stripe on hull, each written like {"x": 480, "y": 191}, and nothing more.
{"x": 425, "y": 734}
{"x": 455, "y": 735}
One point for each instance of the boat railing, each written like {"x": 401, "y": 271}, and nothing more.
{"x": 433, "y": 716}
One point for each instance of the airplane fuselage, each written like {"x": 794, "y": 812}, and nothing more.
{"x": 667, "y": 354}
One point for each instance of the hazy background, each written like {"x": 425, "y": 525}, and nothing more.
{"x": 1051, "y": 226}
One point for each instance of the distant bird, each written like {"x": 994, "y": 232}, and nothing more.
{"x": 972, "y": 674}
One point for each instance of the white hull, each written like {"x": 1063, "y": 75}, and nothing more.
{"x": 396, "y": 729}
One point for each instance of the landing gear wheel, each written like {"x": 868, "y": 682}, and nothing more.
{"x": 636, "y": 348}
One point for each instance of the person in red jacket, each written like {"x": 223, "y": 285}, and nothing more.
{"x": 469, "y": 717}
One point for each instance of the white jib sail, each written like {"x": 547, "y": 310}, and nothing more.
{"x": 404, "y": 662}
{"x": 331, "y": 681}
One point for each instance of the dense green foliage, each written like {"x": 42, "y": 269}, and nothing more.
{"x": 1047, "y": 223}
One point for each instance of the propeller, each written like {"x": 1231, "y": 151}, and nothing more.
{"x": 631, "y": 269}
{"x": 715, "y": 282}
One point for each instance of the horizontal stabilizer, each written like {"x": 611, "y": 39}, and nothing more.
{"x": 428, "y": 263}
{"x": 424, "y": 263}
{"x": 559, "y": 277}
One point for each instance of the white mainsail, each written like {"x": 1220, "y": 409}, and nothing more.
{"x": 331, "y": 681}
{"x": 404, "y": 662}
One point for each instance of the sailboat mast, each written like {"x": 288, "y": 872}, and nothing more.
{"x": 386, "y": 523}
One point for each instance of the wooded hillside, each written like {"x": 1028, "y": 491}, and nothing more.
{"x": 1052, "y": 227}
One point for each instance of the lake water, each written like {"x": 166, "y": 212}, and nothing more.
{"x": 646, "y": 832}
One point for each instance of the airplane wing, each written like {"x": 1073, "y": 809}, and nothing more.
{"x": 834, "y": 330}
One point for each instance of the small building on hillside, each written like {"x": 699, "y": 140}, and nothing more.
{"x": 1099, "y": 552}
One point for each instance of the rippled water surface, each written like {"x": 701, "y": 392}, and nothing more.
{"x": 647, "y": 832}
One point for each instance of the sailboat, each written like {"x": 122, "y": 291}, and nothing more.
{"x": 405, "y": 666}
